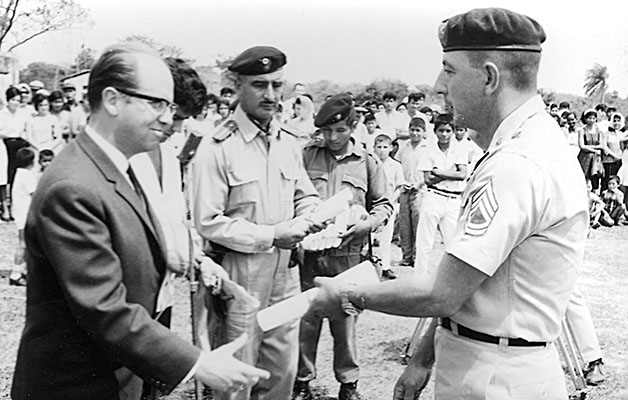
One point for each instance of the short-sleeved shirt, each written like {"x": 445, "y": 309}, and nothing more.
{"x": 523, "y": 223}
{"x": 245, "y": 181}
{"x": 22, "y": 190}
{"x": 394, "y": 173}
{"x": 433, "y": 157}
{"x": 409, "y": 156}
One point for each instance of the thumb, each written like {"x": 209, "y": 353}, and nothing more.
{"x": 234, "y": 346}
{"x": 321, "y": 280}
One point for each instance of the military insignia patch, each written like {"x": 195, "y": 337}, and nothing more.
{"x": 484, "y": 206}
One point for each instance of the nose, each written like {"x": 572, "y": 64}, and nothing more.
{"x": 439, "y": 85}
{"x": 269, "y": 92}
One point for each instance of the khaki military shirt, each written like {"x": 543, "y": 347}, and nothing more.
{"x": 357, "y": 170}
{"x": 523, "y": 223}
{"x": 245, "y": 181}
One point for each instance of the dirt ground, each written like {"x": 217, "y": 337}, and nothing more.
{"x": 382, "y": 338}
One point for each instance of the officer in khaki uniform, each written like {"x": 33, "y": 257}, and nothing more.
{"x": 340, "y": 164}
{"x": 249, "y": 184}
{"x": 509, "y": 270}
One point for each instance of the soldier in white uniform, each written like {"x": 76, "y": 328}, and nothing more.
{"x": 249, "y": 183}
{"x": 504, "y": 282}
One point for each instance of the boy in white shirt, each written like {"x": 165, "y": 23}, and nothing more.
{"x": 444, "y": 167}
{"x": 22, "y": 189}
{"x": 395, "y": 180}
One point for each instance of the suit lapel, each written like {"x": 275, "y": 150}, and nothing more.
{"x": 122, "y": 187}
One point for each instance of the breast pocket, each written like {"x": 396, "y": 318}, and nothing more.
{"x": 320, "y": 180}
{"x": 358, "y": 186}
{"x": 244, "y": 194}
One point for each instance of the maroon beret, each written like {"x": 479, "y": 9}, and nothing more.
{"x": 491, "y": 29}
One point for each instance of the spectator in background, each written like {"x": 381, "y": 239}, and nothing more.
{"x": 412, "y": 191}
{"x": 22, "y": 191}
{"x": 389, "y": 120}
{"x": 596, "y": 209}
{"x": 43, "y": 130}
{"x": 223, "y": 111}
{"x": 13, "y": 120}
{"x": 611, "y": 156}
{"x": 564, "y": 106}
{"x": 228, "y": 94}
{"x": 444, "y": 167}
{"x": 302, "y": 125}
{"x": 468, "y": 146}
{"x": 602, "y": 117}
{"x": 571, "y": 131}
{"x": 56, "y": 100}
{"x": 212, "y": 106}
{"x": 590, "y": 142}
{"x": 613, "y": 199}
{"x": 26, "y": 96}
{"x": 395, "y": 180}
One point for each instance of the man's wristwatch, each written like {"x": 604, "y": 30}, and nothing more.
{"x": 347, "y": 306}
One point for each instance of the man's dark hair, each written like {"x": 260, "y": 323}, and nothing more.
{"x": 24, "y": 157}
{"x": 416, "y": 96}
{"x": 564, "y": 104}
{"x": 389, "y": 95}
{"x": 46, "y": 153}
{"x": 601, "y": 107}
{"x": 226, "y": 90}
{"x": 443, "y": 119}
{"x": 212, "y": 98}
{"x": 190, "y": 93}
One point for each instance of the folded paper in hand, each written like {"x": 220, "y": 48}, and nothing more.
{"x": 295, "y": 307}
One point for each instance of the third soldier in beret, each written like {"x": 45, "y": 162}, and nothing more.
{"x": 249, "y": 184}
{"x": 340, "y": 164}
{"x": 504, "y": 282}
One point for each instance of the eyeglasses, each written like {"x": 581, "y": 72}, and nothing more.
{"x": 158, "y": 104}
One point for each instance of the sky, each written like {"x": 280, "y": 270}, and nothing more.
{"x": 349, "y": 40}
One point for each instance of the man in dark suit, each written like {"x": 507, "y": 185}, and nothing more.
{"x": 96, "y": 258}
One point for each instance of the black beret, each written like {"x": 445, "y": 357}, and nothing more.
{"x": 258, "y": 60}
{"x": 336, "y": 109}
{"x": 491, "y": 29}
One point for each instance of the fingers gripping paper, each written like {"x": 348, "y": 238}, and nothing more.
{"x": 295, "y": 307}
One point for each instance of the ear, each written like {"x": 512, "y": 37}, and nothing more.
{"x": 110, "y": 100}
{"x": 493, "y": 78}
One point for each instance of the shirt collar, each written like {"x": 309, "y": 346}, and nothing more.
{"x": 115, "y": 155}
{"x": 509, "y": 128}
{"x": 248, "y": 128}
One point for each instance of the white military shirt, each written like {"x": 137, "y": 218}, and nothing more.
{"x": 523, "y": 223}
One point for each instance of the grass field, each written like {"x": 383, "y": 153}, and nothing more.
{"x": 381, "y": 338}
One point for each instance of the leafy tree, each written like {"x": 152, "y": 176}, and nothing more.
{"x": 24, "y": 20}
{"x": 596, "y": 81}
{"x": 49, "y": 74}
{"x": 85, "y": 59}
{"x": 164, "y": 49}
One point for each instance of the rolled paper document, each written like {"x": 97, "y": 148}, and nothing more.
{"x": 295, "y": 307}
{"x": 333, "y": 206}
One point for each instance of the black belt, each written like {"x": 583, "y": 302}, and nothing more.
{"x": 486, "y": 338}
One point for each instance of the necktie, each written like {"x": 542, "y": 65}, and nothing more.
{"x": 136, "y": 186}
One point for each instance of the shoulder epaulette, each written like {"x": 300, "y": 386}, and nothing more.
{"x": 225, "y": 130}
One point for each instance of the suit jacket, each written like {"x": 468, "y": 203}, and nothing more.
{"x": 95, "y": 265}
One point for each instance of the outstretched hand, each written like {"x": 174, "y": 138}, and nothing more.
{"x": 220, "y": 370}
